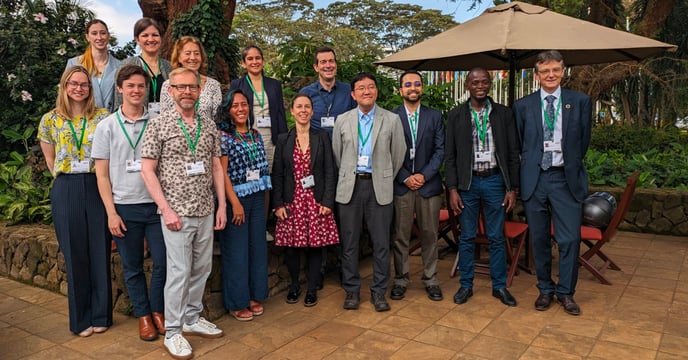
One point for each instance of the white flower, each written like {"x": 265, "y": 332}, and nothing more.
{"x": 73, "y": 41}
{"x": 61, "y": 52}
{"x": 40, "y": 18}
{"x": 26, "y": 96}
{"x": 11, "y": 77}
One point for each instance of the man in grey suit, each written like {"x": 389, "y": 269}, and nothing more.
{"x": 369, "y": 149}
{"x": 553, "y": 125}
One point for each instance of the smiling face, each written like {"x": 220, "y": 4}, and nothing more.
{"x": 78, "y": 87}
{"x": 253, "y": 61}
{"x": 149, "y": 40}
{"x": 238, "y": 110}
{"x": 478, "y": 83}
{"x": 98, "y": 36}
{"x": 184, "y": 89}
{"x": 365, "y": 93}
{"x": 133, "y": 90}
{"x": 190, "y": 57}
{"x": 550, "y": 74}
{"x": 411, "y": 88}
{"x": 302, "y": 110}
{"x": 326, "y": 66}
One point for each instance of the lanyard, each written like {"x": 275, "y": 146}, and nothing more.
{"x": 413, "y": 124}
{"x": 121, "y": 125}
{"x": 363, "y": 140}
{"x": 305, "y": 159}
{"x": 550, "y": 122}
{"x": 154, "y": 78}
{"x": 251, "y": 149}
{"x": 192, "y": 145}
{"x": 481, "y": 126}
{"x": 261, "y": 99}
{"x": 80, "y": 140}
{"x": 324, "y": 99}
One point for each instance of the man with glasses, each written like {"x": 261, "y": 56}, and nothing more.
{"x": 369, "y": 149}
{"x": 482, "y": 173}
{"x": 181, "y": 168}
{"x": 417, "y": 187}
{"x": 554, "y": 129}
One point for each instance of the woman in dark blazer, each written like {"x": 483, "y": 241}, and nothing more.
{"x": 304, "y": 180}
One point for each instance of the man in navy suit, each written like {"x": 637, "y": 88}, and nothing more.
{"x": 418, "y": 187}
{"x": 482, "y": 171}
{"x": 554, "y": 129}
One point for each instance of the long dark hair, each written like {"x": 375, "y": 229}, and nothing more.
{"x": 223, "y": 119}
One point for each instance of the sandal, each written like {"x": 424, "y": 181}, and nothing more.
{"x": 256, "y": 308}
{"x": 242, "y": 315}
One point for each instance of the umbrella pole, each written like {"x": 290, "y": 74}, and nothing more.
{"x": 512, "y": 80}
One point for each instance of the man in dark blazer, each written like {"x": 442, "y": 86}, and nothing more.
{"x": 368, "y": 146}
{"x": 417, "y": 187}
{"x": 482, "y": 171}
{"x": 554, "y": 130}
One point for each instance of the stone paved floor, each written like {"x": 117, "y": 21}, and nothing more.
{"x": 644, "y": 315}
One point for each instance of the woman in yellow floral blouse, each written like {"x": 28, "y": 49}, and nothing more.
{"x": 65, "y": 135}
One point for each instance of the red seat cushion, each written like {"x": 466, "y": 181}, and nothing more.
{"x": 591, "y": 233}
{"x": 513, "y": 229}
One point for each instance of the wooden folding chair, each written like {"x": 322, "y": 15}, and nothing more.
{"x": 594, "y": 238}
{"x": 448, "y": 224}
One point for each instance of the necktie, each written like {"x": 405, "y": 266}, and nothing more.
{"x": 548, "y": 134}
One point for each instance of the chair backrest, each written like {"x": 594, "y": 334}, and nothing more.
{"x": 624, "y": 204}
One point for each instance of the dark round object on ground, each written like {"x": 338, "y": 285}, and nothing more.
{"x": 598, "y": 209}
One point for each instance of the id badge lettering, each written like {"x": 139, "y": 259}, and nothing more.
{"x": 308, "y": 182}
{"x": 263, "y": 122}
{"x": 327, "y": 121}
{"x": 133, "y": 166}
{"x": 253, "y": 175}
{"x": 153, "y": 109}
{"x": 195, "y": 168}
{"x": 362, "y": 160}
{"x": 483, "y": 156}
{"x": 552, "y": 146}
{"x": 82, "y": 166}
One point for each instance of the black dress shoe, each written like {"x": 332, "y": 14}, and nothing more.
{"x": 379, "y": 302}
{"x": 462, "y": 295}
{"x": 543, "y": 302}
{"x": 434, "y": 292}
{"x": 504, "y": 296}
{"x": 293, "y": 296}
{"x": 352, "y": 301}
{"x": 569, "y": 305}
{"x": 398, "y": 292}
{"x": 311, "y": 299}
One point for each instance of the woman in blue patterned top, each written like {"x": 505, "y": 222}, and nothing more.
{"x": 243, "y": 243}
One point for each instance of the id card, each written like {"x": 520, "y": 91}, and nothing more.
{"x": 552, "y": 146}
{"x": 308, "y": 182}
{"x": 133, "y": 166}
{"x": 327, "y": 121}
{"x": 253, "y": 175}
{"x": 483, "y": 156}
{"x": 362, "y": 160}
{"x": 195, "y": 168}
{"x": 153, "y": 109}
{"x": 263, "y": 122}
{"x": 412, "y": 153}
{"x": 81, "y": 166}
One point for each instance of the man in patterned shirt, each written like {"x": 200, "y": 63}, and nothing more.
{"x": 180, "y": 166}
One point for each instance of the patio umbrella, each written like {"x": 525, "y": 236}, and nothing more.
{"x": 509, "y": 37}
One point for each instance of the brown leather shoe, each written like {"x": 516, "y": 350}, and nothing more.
{"x": 159, "y": 321}
{"x": 147, "y": 330}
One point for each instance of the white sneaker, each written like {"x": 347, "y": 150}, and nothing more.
{"x": 178, "y": 347}
{"x": 202, "y": 328}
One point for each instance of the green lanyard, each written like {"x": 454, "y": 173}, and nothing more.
{"x": 133, "y": 146}
{"x": 80, "y": 140}
{"x": 154, "y": 78}
{"x": 363, "y": 140}
{"x": 261, "y": 99}
{"x": 413, "y": 124}
{"x": 251, "y": 149}
{"x": 192, "y": 145}
{"x": 550, "y": 122}
{"x": 481, "y": 126}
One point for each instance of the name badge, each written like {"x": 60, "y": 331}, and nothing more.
{"x": 362, "y": 160}
{"x": 263, "y": 122}
{"x": 412, "y": 153}
{"x": 483, "y": 156}
{"x": 81, "y": 166}
{"x": 90, "y": 138}
{"x": 133, "y": 166}
{"x": 195, "y": 168}
{"x": 153, "y": 109}
{"x": 253, "y": 175}
{"x": 552, "y": 146}
{"x": 327, "y": 121}
{"x": 308, "y": 182}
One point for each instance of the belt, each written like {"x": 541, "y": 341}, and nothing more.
{"x": 555, "y": 168}
{"x": 486, "y": 173}
{"x": 364, "y": 176}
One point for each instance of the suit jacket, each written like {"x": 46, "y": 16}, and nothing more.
{"x": 103, "y": 88}
{"x": 322, "y": 168}
{"x": 429, "y": 151}
{"x": 388, "y": 151}
{"x": 576, "y": 119}
{"x": 273, "y": 90}
{"x": 460, "y": 152}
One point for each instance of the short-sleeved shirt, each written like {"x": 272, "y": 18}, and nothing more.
{"x": 164, "y": 141}
{"x": 111, "y": 143}
{"x": 55, "y": 130}
{"x": 209, "y": 99}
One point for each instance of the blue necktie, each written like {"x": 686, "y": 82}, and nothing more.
{"x": 548, "y": 133}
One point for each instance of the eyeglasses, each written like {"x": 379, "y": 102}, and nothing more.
{"x": 190, "y": 87}
{"x": 364, "y": 88}
{"x": 415, "y": 83}
{"x": 76, "y": 84}
{"x": 556, "y": 71}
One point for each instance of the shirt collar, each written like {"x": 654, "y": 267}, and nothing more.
{"x": 556, "y": 93}
{"x": 371, "y": 113}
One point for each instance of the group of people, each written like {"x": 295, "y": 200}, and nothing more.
{"x": 149, "y": 150}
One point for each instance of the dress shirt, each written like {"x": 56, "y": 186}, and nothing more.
{"x": 328, "y": 103}
{"x": 365, "y": 131}
{"x": 557, "y": 157}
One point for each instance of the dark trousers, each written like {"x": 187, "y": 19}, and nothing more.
{"x": 553, "y": 203}
{"x": 378, "y": 218}
{"x": 292, "y": 258}
{"x": 142, "y": 220}
{"x": 81, "y": 229}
